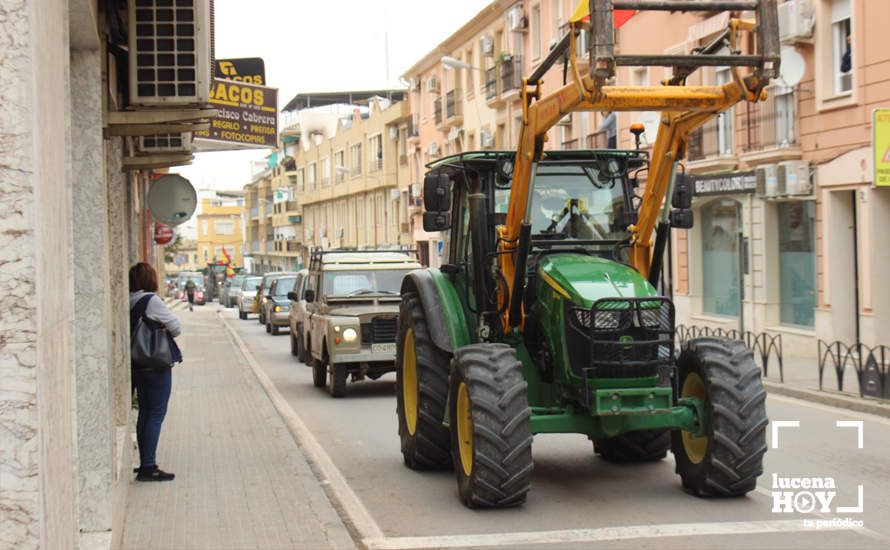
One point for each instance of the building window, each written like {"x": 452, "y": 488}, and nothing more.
{"x": 205, "y": 228}
{"x": 375, "y": 150}
{"x": 311, "y": 176}
{"x": 724, "y": 119}
{"x": 784, "y": 100}
{"x": 224, "y": 227}
{"x": 470, "y": 84}
{"x": 301, "y": 179}
{"x": 842, "y": 62}
{"x": 339, "y": 166}
{"x": 720, "y": 257}
{"x": 326, "y": 171}
{"x": 355, "y": 159}
{"x": 797, "y": 263}
{"x": 536, "y": 31}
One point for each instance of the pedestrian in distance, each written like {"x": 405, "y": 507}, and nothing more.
{"x": 152, "y": 385}
{"x": 190, "y": 292}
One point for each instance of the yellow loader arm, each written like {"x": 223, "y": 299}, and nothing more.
{"x": 684, "y": 108}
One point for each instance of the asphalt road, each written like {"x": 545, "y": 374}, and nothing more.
{"x": 578, "y": 500}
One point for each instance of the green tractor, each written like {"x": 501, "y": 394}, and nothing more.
{"x": 546, "y": 315}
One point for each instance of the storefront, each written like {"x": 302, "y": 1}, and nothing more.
{"x": 749, "y": 262}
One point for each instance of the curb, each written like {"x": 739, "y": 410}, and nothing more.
{"x": 832, "y": 399}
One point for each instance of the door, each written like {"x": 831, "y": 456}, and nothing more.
{"x": 720, "y": 226}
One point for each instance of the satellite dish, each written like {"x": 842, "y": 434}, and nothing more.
{"x": 172, "y": 199}
{"x": 792, "y": 67}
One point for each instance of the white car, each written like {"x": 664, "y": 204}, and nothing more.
{"x": 247, "y": 295}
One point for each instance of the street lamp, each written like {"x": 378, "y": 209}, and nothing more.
{"x": 452, "y": 63}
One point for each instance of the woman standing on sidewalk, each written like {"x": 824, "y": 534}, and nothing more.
{"x": 152, "y": 385}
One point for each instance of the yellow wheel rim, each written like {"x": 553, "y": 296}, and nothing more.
{"x": 464, "y": 429}
{"x": 695, "y": 447}
{"x": 409, "y": 382}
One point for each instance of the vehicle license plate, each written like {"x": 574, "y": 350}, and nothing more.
{"x": 383, "y": 348}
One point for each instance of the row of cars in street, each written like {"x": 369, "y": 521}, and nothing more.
{"x": 341, "y": 312}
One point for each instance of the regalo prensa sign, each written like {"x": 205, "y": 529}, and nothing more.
{"x": 247, "y": 114}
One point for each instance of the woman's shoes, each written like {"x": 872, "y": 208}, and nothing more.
{"x": 153, "y": 473}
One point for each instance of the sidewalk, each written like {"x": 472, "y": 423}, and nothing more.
{"x": 241, "y": 480}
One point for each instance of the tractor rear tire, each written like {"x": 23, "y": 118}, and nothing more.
{"x": 639, "y": 446}
{"x": 727, "y": 459}
{"x": 338, "y": 380}
{"x": 491, "y": 438}
{"x": 427, "y": 446}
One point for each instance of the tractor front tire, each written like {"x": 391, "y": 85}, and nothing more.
{"x": 639, "y": 446}
{"x": 491, "y": 438}
{"x": 421, "y": 391}
{"x": 727, "y": 459}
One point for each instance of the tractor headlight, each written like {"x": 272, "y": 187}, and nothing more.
{"x": 606, "y": 320}
{"x": 349, "y": 335}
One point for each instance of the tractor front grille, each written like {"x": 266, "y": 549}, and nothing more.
{"x": 621, "y": 337}
{"x": 381, "y": 330}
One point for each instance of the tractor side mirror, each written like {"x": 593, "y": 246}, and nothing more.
{"x": 436, "y": 192}
{"x": 682, "y": 192}
{"x": 436, "y": 221}
{"x": 309, "y": 295}
{"x": 293, "y": 296}
{"x": 681, "y": 218}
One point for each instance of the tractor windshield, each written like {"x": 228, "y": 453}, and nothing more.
{"x": 577, "y": 203}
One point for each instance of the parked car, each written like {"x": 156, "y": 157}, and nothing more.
{"x": 298, "y": 317}
{"x": 278, "y": 305}
{"x": 225, "y": 298}
{"x": 247, "y": 296}
{"x": 353, "y": 305}
{"x": 263, "y": 293}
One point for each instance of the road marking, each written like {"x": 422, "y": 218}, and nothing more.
{"x": 351, "y": 507}
{"x": 626, "y": 532}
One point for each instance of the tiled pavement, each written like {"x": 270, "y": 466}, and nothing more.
{"x": 241, "y": 480}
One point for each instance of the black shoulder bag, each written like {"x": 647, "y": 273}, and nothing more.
{"x": 151, "y": 347}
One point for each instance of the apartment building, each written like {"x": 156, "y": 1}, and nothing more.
{"x": 339, "y": 180}
{"x": 220, "y": 230}
{"x": 791, "y": 249}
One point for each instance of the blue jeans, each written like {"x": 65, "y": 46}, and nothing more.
{"x": 153, "y": 388}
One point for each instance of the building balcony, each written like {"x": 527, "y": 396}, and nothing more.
{"x": 413, "y": 130}
{"x": 293, "y": 246}
{"x": 492, "y": 98}
{"x": 510, "y": 78}
{"x": 598, "y": 140}
{"x": 769, "y": 127}
{"x": 709, "y": 149}
{"x": 454, "y": 107}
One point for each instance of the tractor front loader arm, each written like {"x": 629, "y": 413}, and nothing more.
{"x": 684, "y": 108}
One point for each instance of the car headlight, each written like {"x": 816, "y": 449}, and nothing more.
{"x": 277, "y": 309}
{"x": 349, "y": 335}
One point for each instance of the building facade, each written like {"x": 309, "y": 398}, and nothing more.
{"x": 220, "y": 230}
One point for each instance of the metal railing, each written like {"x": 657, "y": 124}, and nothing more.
{"x": 511, "y": 74}
{"x": 871, "y": 365}
{"x": 764, "y": 345}
{"x": 598, "y": 140}
{"x": 491, "y": 83}
{"x": 453, "y": 107}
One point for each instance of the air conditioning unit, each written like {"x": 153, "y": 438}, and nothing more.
{"x": 486, "y": 138}
{"x": 432, "y": 149}
{"x": 170, "y": 49}
{"x": 516, "y": 20}
{"x": 165, "y": 143}
{"x": 486, "y": 44}
{"x": 340, "y": 232}
{"x": 766, "y": 180}
{"x": 796, "y": 20}
{"x": 432, "y": 84}
{"x": 393, "y": 133}
{"x": 793, "y": 178}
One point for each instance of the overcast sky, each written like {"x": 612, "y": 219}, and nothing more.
{"x": 319, "y": 46}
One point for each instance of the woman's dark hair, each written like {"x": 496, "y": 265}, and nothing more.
{"x": 143, "y": 277}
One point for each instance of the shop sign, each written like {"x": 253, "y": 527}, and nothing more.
{"x": 251, "y": 70}
{"x": 724, "y": 184}
{"x": 246, "y": 114}
{"x": 881, "y": 147}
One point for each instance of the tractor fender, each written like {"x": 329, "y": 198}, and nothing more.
{"x": 441, "y": 307}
